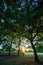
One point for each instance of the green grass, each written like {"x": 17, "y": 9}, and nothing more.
{"x": 32, "y": 54}
{"x": 12, "y": 62}
{"x": 22, "y": 60}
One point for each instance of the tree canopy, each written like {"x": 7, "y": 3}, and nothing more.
{"x": 22, "y": 18}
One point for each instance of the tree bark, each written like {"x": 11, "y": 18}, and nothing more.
{"x": 18, "y": 47}
{"x": 35, "y": 53}
{"x": 18, "y": 52}
{"x": 9, "y": 52}
{"x": 10, "y": 49}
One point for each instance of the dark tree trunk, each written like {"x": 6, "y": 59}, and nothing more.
{"x": 18, "y": 52}
{"x": 18, "y": 47}
{"x": 9, "y": 52}
{"x": 10, "y": 49}
{"x": 35, "y": 53}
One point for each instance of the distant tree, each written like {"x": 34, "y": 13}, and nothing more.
{"x": 7, "y": 45}
{"x": 39, "y": 45}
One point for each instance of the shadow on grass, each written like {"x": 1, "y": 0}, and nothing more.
{"x": 15, "y": 60}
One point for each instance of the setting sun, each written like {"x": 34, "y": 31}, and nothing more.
{"x": 23, "y": 49}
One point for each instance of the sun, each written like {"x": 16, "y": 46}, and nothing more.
{"x": 23, "y": 50}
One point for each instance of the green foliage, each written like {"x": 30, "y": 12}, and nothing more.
{"x": 18, "y": 19}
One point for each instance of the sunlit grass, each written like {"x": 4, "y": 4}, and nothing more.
{"x": 32, "y": 54}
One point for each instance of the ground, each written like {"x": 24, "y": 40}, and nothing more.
{"x": 19, "y": 60}
{"x": 27, "y": 59}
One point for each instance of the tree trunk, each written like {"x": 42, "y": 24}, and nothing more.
{"x": 9, "y": 52}
{"x": 35, "y": 53}
{"x": 18, "y": 52}
{"x": 10, "y": 49}
{"x": 18, "y": 47}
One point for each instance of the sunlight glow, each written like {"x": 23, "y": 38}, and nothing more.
{"x": 23, "y": 50}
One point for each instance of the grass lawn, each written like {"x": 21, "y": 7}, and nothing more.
{"x": 28, "y": 59}
{"x": 32, "y": 54}
{"x": 16, "y": 62}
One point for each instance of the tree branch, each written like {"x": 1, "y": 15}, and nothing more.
{"x": 37, "y": 31}
{"x": 27, "y": 37}
{"x": 39, "y": 39}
